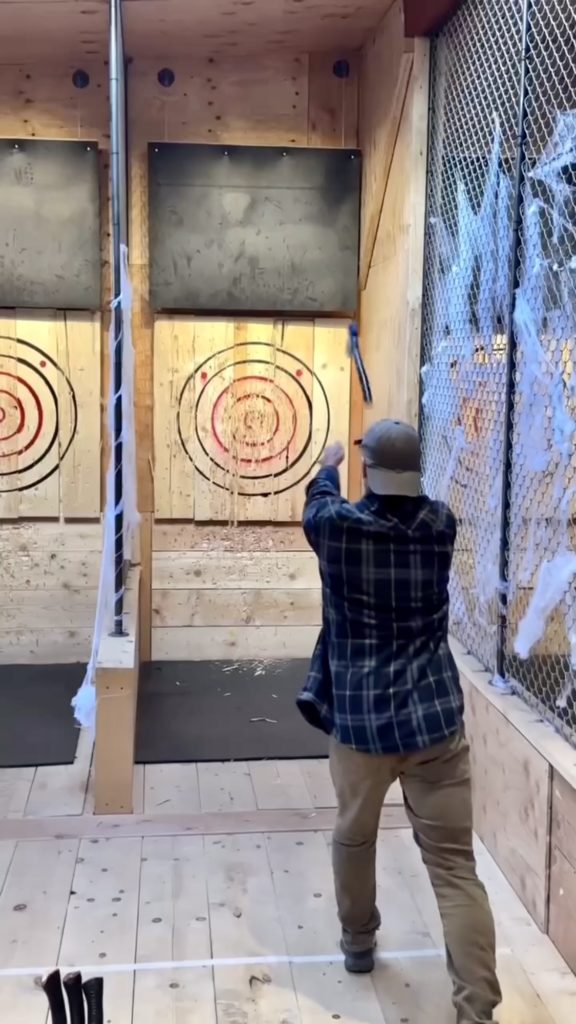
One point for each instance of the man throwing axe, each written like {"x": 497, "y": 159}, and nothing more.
{"x": 384, "y": 685}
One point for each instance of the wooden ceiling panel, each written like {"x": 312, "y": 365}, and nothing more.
{"x": 47, "y": 31}
{"x": 424, "y": 17}
{"x": 178, "y": 28}
{"x": 32, "y": 31}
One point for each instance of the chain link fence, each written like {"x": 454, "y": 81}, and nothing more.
{"x": 474, "y": 114}
{"x": 542, "y": 608}
{"x": 500, "y": 282}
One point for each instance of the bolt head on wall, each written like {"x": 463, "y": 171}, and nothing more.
{"x": 341, "y": 69}
{"x": 80, "y": 79}
{"x": 166, "y": 78}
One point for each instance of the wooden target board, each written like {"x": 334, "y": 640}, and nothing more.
{"x": 49, "y": 415}
{"x": 242, "y": 413}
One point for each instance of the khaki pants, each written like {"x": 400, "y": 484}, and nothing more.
{"x": 437, "y": 794}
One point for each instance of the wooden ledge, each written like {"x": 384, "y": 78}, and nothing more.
{"x": 111, "y": 826}
{"x": 528, "y": 722}
{"x": 117, "y": 671}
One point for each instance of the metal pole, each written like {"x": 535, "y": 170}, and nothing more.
{"x": 118, "y": 187}
{"x": 510, "y": 393}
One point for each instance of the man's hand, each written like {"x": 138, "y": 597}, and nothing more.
{"x": 333, "y": 455}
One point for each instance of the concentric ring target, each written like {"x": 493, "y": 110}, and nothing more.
{"x": 33, "y": 389}
{"x": 250, "y": 419}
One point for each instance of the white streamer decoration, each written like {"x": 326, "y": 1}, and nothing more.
{"x": 554, "y": 578}
{"x": 461, "y": 370}
{"x": 544, "y": 317}
{"x": 84, "y": 703}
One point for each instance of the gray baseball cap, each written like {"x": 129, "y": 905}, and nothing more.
{"x": 392, "y": 456}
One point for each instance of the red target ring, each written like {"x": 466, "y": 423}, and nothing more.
{"x": 34, "y": 436}
{"x": 12, "y": 403}
{"x": 254, "y": 425}
{"x": 20, "y": 430}
{"x": 259, "y": 426}
{"x": 250, "y": 419}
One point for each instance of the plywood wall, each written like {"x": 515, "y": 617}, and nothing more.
{"x": 394, "y": 80}
{"x": 242, "y": 413}
{"x": 511, "y": 782}
{"x": 50, "y": 415}
{"x": 391, "y": 301}
{"x": 241, "y": 593}
{"x": 524, "y": 786}
{"x": 270, "y": 99}
{"x": 562, "y": 925}
{"x": 155, "y": 27}
{"x": 53, "y": 406}
{"x": 276, "y": 99}
{"x": 48, "y": 595}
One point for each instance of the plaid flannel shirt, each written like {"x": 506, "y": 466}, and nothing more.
{"x": 382, "y": 677}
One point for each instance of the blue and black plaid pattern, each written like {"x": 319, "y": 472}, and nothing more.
{"x": 382, "y": 677}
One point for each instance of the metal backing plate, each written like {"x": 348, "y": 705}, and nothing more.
{"x": 49, "y": 225}
{"x": 244, "y": 228}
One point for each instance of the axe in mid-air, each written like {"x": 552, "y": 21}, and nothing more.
{"x": 356, "y": 356}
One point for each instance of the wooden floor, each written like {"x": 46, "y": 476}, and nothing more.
{"x": 238, "y": 927}
{"x": 173, "y": 788}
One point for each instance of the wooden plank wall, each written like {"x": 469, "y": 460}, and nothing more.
{"x": 276, "y": 99}
{"x": 393, "y": 132}
{"x": 227, "y": 450}
{"x": 154, "y": 27}
{"x": 50, "y": 575}
{"x": 524, "y": 776}
{"x": 117, "y": 678}
{"x": 48, "y": 594}
{"x": 511, "y": 800}
{"x": 248, "y": 592}
{"x": 264, "y": 100}
{"x": 55, "y": 358}
{"x": 562, "y": 924}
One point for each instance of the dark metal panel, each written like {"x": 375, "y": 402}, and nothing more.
{"x": 254, "y": 229}
{"x": 49, "y": 225}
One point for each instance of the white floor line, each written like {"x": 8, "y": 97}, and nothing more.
{"x": 251, "y": 961}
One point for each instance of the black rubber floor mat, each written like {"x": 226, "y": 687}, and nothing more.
{"x": 37, "y": 724}
{"x": 223, "y": 711}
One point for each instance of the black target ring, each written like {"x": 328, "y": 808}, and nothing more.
{"x": 275, "y": 476}
{"x": 255, "y": 476}
{"x": 53, "y": 439}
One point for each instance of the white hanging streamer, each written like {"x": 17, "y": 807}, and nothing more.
{"x": 129, "y": 474}
{"x": 545, "y": 319}
{"x": 462, "y": 369}
{"x": 554, "y": 578}
{"x": 461, "y": 372}
{"x": 84, "y": 703}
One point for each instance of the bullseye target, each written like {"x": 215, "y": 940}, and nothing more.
{"x": 33, "y": 437}
{"x": 246, "y": 419}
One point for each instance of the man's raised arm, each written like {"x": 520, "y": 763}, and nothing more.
{"x": 323, "y": 493}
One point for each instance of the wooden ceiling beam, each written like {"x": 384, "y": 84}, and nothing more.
{"x": 75, "y": 30}
{"x": 426, "y": 17}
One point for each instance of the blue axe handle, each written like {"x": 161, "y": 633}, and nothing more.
{"x": 355, "y": 354}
